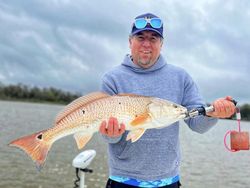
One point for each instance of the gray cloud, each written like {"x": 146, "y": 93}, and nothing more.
{"x": 211, "y": 41}
{"x": 70, "y": 44}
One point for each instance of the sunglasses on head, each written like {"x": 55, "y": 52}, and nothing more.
{"x": 141, "y": 23}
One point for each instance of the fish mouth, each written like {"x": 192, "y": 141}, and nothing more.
{"x": 184, "y": 114}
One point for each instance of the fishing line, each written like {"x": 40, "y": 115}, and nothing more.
{"x": 238, "y": 118}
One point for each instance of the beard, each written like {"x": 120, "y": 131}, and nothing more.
{"x": 145, "y": 64}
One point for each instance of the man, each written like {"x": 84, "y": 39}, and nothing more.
{"x": 153, "y": 160}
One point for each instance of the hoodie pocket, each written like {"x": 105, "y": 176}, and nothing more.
{"x": 126, "y": 152}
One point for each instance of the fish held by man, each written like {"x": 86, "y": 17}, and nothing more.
{"x": 83, "y": 116}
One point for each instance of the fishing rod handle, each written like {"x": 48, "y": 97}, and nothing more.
{"x": 211, "y": 108}
{"x": 203, "y": 110}
{"x": 234, "y": 101}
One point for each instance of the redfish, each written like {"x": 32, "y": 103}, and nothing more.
{"x": 83, "y": 116}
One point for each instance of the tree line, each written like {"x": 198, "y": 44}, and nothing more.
{"x": 35, "y": 94}
{"x": 245, "y": 112}
{"x": 53, "y": 95}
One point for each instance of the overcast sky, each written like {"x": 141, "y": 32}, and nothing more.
{"x": 69, "y": 44}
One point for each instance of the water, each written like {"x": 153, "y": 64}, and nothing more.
{"x": 205, "y": 161}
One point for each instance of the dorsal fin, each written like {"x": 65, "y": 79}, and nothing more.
{"x": 79, "y": 102}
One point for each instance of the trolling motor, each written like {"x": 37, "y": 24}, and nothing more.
{"x": 80, "y": 162}
{"x": 239, "y": 140}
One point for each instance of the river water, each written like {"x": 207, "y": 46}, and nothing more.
{"x": 205, "y": 161}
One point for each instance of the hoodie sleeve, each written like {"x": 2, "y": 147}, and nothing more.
{"x": 191, "y": 100}
{"x": 107, "y": 86}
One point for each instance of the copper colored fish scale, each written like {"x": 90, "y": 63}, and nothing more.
{"x": 84, "y": 115}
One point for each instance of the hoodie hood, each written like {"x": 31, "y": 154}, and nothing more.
{"x": 160, "y": 63}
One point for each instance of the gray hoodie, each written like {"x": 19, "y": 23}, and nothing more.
{"x": 156, "y": 155}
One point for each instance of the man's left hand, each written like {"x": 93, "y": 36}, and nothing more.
{"x": 223, "y": 108}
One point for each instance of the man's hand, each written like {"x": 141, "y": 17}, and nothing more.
{"x": 112, "y": 129}
{"x": 223, "y": 108}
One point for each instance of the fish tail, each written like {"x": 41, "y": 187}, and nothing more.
{"x": 35, "y": 146}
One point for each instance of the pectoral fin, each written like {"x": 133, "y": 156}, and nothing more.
{"x": 82, "y": 139}
{"x": 135, "y": 135}
{"x": 140, "y": 119}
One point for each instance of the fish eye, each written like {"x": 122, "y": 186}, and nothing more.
{"x": 40, "y": 137}
{"x": 175, "y": 106}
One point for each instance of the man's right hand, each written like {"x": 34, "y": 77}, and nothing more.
{"x": 112, "y": 129}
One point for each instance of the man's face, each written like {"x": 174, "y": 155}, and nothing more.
{"x": 145, "y": 48}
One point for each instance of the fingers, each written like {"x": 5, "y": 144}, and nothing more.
{"x": 102, "y": 128}
{"x": 223, "y": 108}
{"x": 230, "y": 107}
{"x": 229, "y": 98}
{"x": 122, "y": 128}
{"x": 219, "y": 109}
{"x": 112, "y": 128}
